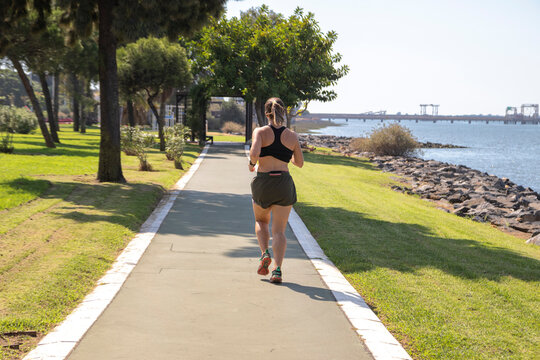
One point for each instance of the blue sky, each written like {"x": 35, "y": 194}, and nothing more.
{"x": 471, "y": 57}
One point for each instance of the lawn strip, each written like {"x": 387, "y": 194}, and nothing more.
{"x": 218, "y": 136}
{"x": 446, "y": 287}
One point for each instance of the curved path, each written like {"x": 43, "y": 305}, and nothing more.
{"x": 195, "y": 293}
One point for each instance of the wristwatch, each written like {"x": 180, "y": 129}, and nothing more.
{"x": 252, "y": 164}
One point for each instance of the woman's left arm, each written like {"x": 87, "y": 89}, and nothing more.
{"x": 298, "y": 157}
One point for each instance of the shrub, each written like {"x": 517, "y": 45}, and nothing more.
{"x": 133, "y": 143}
{"x": 359, "y": 144}
{"x": 175, "y": 150}
{"x": 131, "y": 139}
{"x": 174, "y": 140}
{"x": 17, "y": 120}
{"x": 4, "y": 118}
{"x": 177, "y": 130}
{"x": 232, "y": 128}
{"x": 6, "y": 143}
{"x": 394, "y": 140}
{"x": 149, "y": 140}
{"x": 144, "y": 165}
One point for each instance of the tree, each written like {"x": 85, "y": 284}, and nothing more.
{"x": 155, "y": 66}
{"x": 117, "y": 21}
{"x": 231, "y": 111}
{"x": 80, "y": 62}
{"x": 47, "y": 50}
{"x": 40, "y": 54}
{"x": 20, "y": 46}
{"x": 263, "y": 54}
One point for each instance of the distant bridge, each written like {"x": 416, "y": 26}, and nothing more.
{"x": 508, "y": 119}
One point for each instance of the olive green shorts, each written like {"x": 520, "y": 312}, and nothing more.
{"x": 273, "y": 188}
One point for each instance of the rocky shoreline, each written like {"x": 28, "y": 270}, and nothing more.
{"x": 456, "y": 188}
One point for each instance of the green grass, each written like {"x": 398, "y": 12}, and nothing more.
{"x": 445, "y": 286}
{"x": 75, "y": 155}
{"x": 61, "y": 229}
{"x": 218, "y": 136}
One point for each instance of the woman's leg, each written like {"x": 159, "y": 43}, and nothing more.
{"x": 262, "y": 220}
{"x": 280, "y": 217}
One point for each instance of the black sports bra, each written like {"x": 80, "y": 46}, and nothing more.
{"x": 277, "y": 149}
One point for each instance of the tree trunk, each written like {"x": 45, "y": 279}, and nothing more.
{"x": 110, "y": 164}
{"x": 84, "y": 113}
{"x": 289, "y": 118}
{"x": 76, "y": 96}
{"x": 56, "y": 98}
{"x": 162, "y": 106}
{"x": 159, "y": 122}
{"x": 131, "y": 115}
{"x": 48, "y": 104}
{"x": 35, "y": 103}
{"x": 259, "y": 111}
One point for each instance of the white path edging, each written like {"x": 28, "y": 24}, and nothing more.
{"x": 59, "y": 343}
{"x": 378, "y": 340}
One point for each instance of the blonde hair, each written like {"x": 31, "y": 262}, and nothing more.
{"x": 274, "y": 109}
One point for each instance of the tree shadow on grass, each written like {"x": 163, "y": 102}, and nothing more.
{"x": 356, "y": 243}
{"x": 14, "y": 188}
{"x": 125, "y": 204}
{"x": 60, "y": 150}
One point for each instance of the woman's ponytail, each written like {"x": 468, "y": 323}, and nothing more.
{"x": 274, "y": 109}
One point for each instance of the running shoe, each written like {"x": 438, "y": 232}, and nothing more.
{"x": 266, "y": 260}
{"x": 276, "y": 276}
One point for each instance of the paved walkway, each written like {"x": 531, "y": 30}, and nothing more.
{"x": 195, "y": 293}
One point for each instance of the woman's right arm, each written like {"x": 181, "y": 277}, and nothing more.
{"x": 255, "y": 150}
{"x": 298, "y": 156}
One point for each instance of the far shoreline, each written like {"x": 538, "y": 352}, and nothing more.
{"x": 307, "y": 126}
{"x": 339, "y": 143}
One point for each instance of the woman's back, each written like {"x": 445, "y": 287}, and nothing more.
{"x": 267, "y": 135}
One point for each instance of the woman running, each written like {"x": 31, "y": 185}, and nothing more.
{"x": 273, "y": 188}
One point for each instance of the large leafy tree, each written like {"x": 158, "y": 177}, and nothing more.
{"x": 154, "y": 66}
{"x": 117, "y": 21}
{"x": 263, "y": 54}
{"x": 231, "y": 111}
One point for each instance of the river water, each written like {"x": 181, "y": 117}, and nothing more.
{"x": 511, "y": 151}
